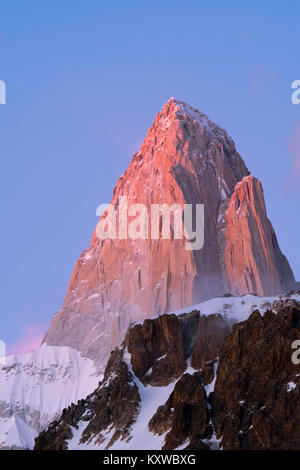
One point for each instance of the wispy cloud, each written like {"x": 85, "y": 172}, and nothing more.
{"x": 261, "y": 78}
{"x": 293, "y": 179}
{"x": 31, "y": 339}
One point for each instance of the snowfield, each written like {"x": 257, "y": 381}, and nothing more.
{"x": 34, "y": 389}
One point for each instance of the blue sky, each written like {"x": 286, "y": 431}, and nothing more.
{"x": 84, "y": 82}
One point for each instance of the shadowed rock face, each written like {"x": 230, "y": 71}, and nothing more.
{"x": 184, "y": 159}
{"x": 159, "y": 350}
{"x": 243, "y": 392}
{"x": 256, "y": 400}
{"x": 209, "y": 338}
{"x": 114, "y": 404}
{"x": 185, "y": 415}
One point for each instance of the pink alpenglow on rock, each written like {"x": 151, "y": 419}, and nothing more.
{"x": 184, "y": 159}
{"x": 253, "y": 260}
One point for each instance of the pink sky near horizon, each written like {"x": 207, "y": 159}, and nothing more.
{"x": 30, "y": 340}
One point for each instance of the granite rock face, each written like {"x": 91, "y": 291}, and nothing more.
{"x": 256, "y": 396}
{"x": 184, "y": 159}
{"x": 253, "y": 260}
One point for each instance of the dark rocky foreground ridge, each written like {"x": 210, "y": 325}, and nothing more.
{"x": 231, "y": 386}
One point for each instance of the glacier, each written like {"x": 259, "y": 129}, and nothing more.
{"x": 36, "y": 387}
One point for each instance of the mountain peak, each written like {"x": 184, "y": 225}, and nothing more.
{"x": 177, "y": 116}
{"x": 184, "y": 159}
{"x": 182, "y": 106}
{"x": 179, "y": 109}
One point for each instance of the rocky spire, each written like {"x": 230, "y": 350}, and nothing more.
{"x": 184, "y": 159}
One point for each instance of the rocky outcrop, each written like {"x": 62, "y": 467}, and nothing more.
{"x": 114, "y": 404}
{"x": 159, "y": 353}
{"x": 253, "y": 260}
{"x": 210, "y": 336}
{"x": 184, "y": 159}
{"x": 256, "y": 400}
{"x": 185, "y": 415}
{"x": 162, "y": 348}
{"x": 242, "y": 392}
{"x": 157, "y": 350}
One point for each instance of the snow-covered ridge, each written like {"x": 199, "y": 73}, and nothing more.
{"x": 35, "y": 387}
{"x": 237, "y": 308}
{"x": 233, "y": 308}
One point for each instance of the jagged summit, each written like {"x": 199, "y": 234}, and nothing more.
{"x": 180, "y": 109}
{"x": 179, "y": 135}
{"x": 177, "y": 110}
